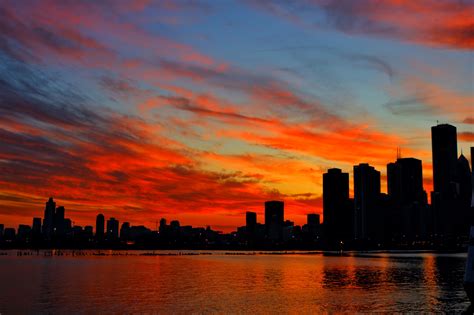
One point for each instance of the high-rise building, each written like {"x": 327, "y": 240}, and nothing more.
{"x": 112, "y": 229}
{"x": 125, "y": 231}
{"x": 24, "y": 233}
{"x": 274, "y": 218}
{"x": 48, "y": 220}
{"x": 99, "y": 227}
{"x": 88, "y": 233}
{"x": 405, "y": 181}
{"x": 366, "y": 198}
{"x": 250, "y": 221}
{"x": 445, "y": 154}
{"x": 59, "y": 221}
{"x": 2, "y": 227}
{"x": 36, "y": 230}
{"x": 463, "y": 181}
{"x": 336, "y": 207}
{"x": 250, "y": 226}
{"x": 313, "y": 219}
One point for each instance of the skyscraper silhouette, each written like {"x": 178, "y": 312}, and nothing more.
{"x": 408, "y": 217}
{"x": 59, "y": 221}
{"x": 99, "y": 227}
{"x": 274, "y": 217}
{"x": 337, "y": 211}
{"x": 112, "y": 229}
{"x": 48, "y": 220}
{"x": 36, "y": 229}
{"x": 445, "y": 150}
{"x": 366, "y": 197}
{"x": 405, "y": 181}
{"x": 250, "y": 221}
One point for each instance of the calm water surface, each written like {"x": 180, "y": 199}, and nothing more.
{"x": 220, "y": 283}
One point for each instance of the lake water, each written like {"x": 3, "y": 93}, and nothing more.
{"x": 220, "y": 283}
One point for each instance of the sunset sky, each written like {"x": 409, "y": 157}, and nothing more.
{"x": 202, "y": 110}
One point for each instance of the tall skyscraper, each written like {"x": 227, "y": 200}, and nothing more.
{"x": 444, "y": 148}
{"x": 48, "y": 220}
{"x": 408, "y": 216}
{"x": 405, "y": 181}
{"x": 250, "y": 221}
{"x": 336, "y": 207}
{"x": 99, "y": 227}
{"x": 445, "y": 154}
{"x": 463, "y": 181}
{"x": 313, "y": 219}
{"x": 59, "y": 221}
{"x": 36, "y": 228}
{"x": 112, "y": 229}
{"x": 274, "y": 218}
{"x": 125, "y": 231}
{"x": 366, "y": 197}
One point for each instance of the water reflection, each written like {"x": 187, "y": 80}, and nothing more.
{"x": 223, "y": 284}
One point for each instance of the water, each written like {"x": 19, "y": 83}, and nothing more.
{"x": 220, "y": 283}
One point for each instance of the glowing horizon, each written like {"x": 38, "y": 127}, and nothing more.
{"x": 200, "y": 110}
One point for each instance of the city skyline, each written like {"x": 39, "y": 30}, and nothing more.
{"x": 202, "y": 110}
{"x": 370, "y": 218}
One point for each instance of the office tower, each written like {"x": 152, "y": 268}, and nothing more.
{"x": 99, "y": 227}
{"x": 336, "y": 208}
{"x": 462, "y": 212}
{"x": 408, "y": 216}
{"x": 48, "y": 220}
{"x": 36, "y": 230}
{"x": 274, "y": 214}
{"x": 59, "y": 221}
{"x": 445, "y": 154}
{"x": 67, "y": 226}
{"x": 405, "y": 181}
{"x": 112, "y": 229}
{"x": 125, "y": 231}
{"x": 9, "y": 234}
{"x": 24, "y": 233}
{"x": 250, "y": 221}
{"x": 2, "y": 227}
{"x": 312, "y": 219}
{"x": 463, "y": 181}
{"x": 367, "y": 219}
{"x": 88, "y": 232}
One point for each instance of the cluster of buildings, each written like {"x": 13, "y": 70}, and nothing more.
{"x": 400, "y": 218}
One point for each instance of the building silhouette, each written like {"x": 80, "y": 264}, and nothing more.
{"x": 444, "y": 147}
{"x": 367, "y": 216}
{"x": 59, "y": 221}
{"x": 337, "y": 210}
{"x": 36, "y": 229}
{"x": 99, "y": 227}
{"x": 48, "y": 219}
{"x": 402, "y": 218}
{"x": 112, "y": 229}
{"x": 274, "y": 219}
{"x": 408, "y": 217}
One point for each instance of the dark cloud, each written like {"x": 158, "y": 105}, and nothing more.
{"x": 409, "y": 106}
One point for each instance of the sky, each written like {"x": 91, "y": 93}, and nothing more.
{"x": 202, "y": 110}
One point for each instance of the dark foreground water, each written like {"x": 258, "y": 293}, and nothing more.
{"x": 221, "y": 283}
